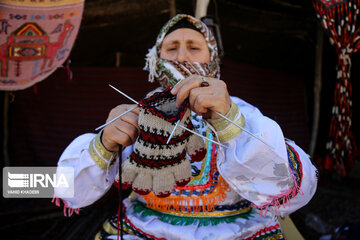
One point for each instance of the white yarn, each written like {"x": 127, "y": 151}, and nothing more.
{"x": 150, "y": 63}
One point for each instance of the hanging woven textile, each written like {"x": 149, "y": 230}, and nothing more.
{"x": 36, "y": 37}
{"x": 339, "y": 19}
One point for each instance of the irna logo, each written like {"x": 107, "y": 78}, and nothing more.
{"x": 38, "y": 182}
{"x": 18, "y": 180}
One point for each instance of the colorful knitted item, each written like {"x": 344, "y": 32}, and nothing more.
{"x": 36, "y": 37}
{"x": 154, "y": 165}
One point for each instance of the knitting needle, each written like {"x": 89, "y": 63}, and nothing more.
{"x": 175, "y": 126}
{"x": 202, "y": 136}
{"x": 214, "y": 111}
{"x": 204, "y": 83}
{"x": 123, "y": 93}
{"x": 122, "y": 114}
{"x": 245, "y": 130}
{"x": 172, "y": 132}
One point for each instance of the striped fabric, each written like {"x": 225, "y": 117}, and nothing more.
{"x": 42, "y": 124}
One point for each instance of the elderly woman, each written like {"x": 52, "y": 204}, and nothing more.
{"x": 236, "y": 191}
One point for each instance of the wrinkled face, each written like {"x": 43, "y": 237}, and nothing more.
{"x": 185, "y": 44}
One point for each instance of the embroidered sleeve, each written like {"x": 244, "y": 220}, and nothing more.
{"x": 225, "y": 130}
{"x": 90, "y": 181}
{"x": 102, "y": 157}
{"x": 279, "y": 174}
{"x": 286, "y": 195}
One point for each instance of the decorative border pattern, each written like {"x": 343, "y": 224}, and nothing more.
{"x": 200, "y": 219}
{"x": 100, "y": 154}
{"x": 271, "y": 232}
{"x": 225, "y": 130}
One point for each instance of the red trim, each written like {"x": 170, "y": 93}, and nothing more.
{"x": 264, "y": 231}
{"x": 137, "y": 229}
{"x": 301, "y": 168}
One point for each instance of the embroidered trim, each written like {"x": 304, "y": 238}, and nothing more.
{"x": 232, "y": 131}
{"x": 137, "y": 229}
{"x": 221, "y": 123}
{"x": 101, "y": 149}
{"x": 211, "y": 177}
{"x": 205, "y": 165}
{"x": 67, "y": 209}
{"x": 225, "y": 130}
{"x": 200, "y": 219}
{"x": 110, "y": 227}
{"x": 190, "y": 203}
{"x": 286, "y": 195}
{"x": 271, "y": 232}
{"x": 100, "y": 154}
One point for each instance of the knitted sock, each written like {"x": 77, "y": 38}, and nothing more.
{"x": 154, "y": 165}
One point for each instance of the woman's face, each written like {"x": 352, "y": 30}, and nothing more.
{"x": 185, "y": 44}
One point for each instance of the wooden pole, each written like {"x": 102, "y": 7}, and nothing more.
{"x": 201, "y": 8}
{"x": 172, "y": 7}
{"x": 118, "y": 59}
{"x": 317, "y": 88}
{"x": 6, "y": 130}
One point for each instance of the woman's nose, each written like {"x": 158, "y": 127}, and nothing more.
{"x": 182, "y": 55}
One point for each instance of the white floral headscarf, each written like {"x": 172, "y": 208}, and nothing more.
{"x": 152, "y": 58}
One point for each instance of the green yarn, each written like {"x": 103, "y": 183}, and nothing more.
{"x": 185, "y": 221}
{"x": 206, "y": 172}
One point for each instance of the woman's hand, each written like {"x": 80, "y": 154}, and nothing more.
{"x": 214, "y": 97}
{"x": 124, "y": 130}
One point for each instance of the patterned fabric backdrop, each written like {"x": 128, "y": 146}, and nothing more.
{"x": 339, "y": 19}
{"x": 36, "y": 37}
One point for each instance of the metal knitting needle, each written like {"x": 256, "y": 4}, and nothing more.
{"x": 112, "y": 120}
{"x": 172, "y": 132}
{"x": 177, "y": 124}
{"x": 204, "y": 83}
{"x": 123, "y": 94}
{"x": 202, "y": 136}
{"x": 214, "y": 111}
{"x": 245, "y": 130}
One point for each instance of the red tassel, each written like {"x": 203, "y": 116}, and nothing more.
{"x": 328, "y": 163}
{"x": 67, "y": 68}
{"x": 341, "y": 170}
{"x": 35, "y": 89}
